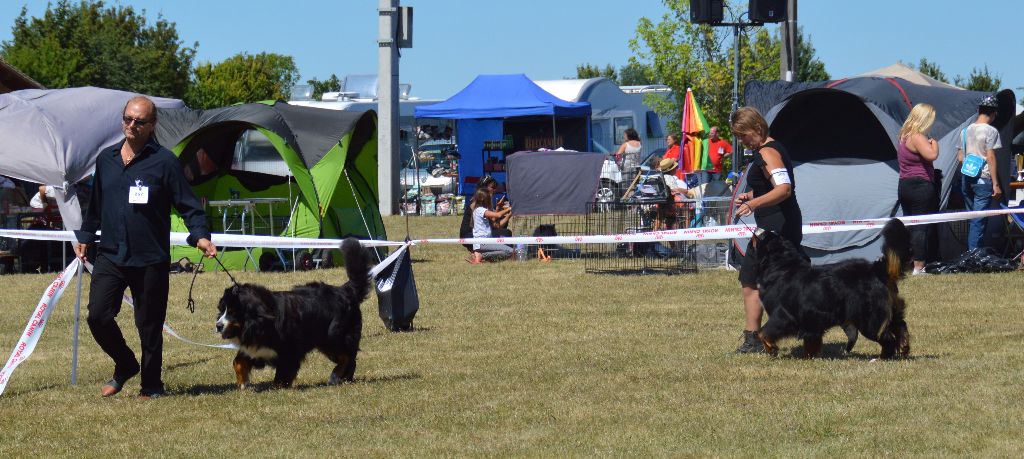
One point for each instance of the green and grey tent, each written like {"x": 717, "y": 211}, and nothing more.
{"x": 295, "y": 171}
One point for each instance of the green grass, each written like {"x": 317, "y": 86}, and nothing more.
{"x": 532, "y": 359}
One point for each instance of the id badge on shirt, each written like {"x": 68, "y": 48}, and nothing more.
{"x": 138, "y": 194}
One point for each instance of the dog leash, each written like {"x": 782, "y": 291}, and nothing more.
{"x": 191, "y": 304}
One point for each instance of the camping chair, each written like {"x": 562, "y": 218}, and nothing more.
{"x": 1011, "y": 238}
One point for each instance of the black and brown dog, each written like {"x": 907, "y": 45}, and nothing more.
{"x": 806, "y": 300}
{"x": 280, "y": 328}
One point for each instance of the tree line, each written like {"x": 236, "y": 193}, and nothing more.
{"x": 677, "y": 53}
{"x": 92, "y": 44}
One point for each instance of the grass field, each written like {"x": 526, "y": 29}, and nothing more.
{"x": 532, "y": 359}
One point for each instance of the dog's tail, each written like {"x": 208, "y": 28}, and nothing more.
{"x": 357, "y": 265}
{"x": 896, "y": 251}
{"x": 896, "y": 260}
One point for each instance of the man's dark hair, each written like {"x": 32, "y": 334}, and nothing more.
{"x": 988, "y": 111}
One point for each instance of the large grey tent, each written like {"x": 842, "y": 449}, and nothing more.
{"x": 52, "y": 136}
{"x": 843, "y": 135}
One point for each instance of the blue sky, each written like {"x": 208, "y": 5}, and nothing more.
{"x": 455, "y": 40}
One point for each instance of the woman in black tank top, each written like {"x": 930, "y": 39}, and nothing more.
{"x": 772, "y": 201}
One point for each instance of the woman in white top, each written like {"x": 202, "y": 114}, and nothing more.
{"x": 628, "y": 155}
{"x": 483, "y": 218}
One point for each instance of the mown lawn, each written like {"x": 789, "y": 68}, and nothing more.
{"x": 532, "y": 359}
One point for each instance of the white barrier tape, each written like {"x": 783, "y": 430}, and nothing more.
{"x": 689, "y": 234}
{"x": 221, "y": 240}
{"x": 725, "y": 231}
{"x": 390, "y": 259}
{"x": 37, "y": 322}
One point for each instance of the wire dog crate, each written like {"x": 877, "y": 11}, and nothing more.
{"x": 551, "y": 225}
{"x": 636, "y": 257}
{"x": 640, "y": 216}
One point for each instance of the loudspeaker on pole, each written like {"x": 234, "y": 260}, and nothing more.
{"x": 767, "y": 10}
{"x": 706, "y": 11}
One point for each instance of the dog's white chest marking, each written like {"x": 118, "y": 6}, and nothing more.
{"x": 262, "y": 353}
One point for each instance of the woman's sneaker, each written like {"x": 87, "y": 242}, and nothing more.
{"x": 751, "y": 343}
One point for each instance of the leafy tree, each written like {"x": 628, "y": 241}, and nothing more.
{"x": 242, "y": 78}
{"x": 90, "y": 44}
{"x": 932, "y": 69}
{"x": 979, "y": 80}
{"x": 584, "y": 71}
{"x": 328, "y": 85}
{"x": 809, "y": 67}
{"x": 684, "y": 55}
{"x": 634, "y": 74}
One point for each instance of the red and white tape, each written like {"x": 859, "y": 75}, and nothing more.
{"x": 710, "y": 233}
{"x": 37, "y": 322}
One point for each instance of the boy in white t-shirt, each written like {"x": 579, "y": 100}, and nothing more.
{"x": 981, "y": 139}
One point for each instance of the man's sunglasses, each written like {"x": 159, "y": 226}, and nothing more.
{"x": 138, "y": 121}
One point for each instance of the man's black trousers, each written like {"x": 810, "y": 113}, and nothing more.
{"x": 148, "y": 286}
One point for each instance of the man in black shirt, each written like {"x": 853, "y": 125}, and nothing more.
{"x": 136, "y": 183}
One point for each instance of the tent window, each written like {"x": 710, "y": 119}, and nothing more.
{"x": 621, "y": 124}
{"x": 255, "y": 153}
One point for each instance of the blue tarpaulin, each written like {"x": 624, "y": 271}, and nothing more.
{"x": 502, "y": 96}
{"x": 484, "y": 106}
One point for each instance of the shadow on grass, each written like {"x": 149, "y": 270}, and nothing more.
{"x": 385, "y": 332}
{"x": 837, "y": 351}
{"x": 187, "y": 364}
{"x": 220, "y": 389}
{"x": 35, "y": 389}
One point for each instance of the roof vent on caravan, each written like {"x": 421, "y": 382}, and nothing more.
{"x": 302, "y": 92}
{"x": 364, "y": 86}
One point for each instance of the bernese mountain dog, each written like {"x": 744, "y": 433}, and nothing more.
{"x": 280, "y": 328}
{"x": 806, "y": 300}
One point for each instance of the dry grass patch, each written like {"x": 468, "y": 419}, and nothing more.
{"x": 540, "y": 359}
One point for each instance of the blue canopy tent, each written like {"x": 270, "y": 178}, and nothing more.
{"x": 494, "y": 107}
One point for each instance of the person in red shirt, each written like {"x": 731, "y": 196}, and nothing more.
{"x": 671, "y": 149}
{"x": 718, "y": 148}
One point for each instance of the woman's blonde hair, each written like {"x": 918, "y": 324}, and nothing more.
{"x": 919, "y": 121}
{"x": 747, "y": 120}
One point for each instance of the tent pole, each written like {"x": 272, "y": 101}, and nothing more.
{"x": 74, "y": 329}
{"x": 291, "y": 216}
{"x": 554, "y": 133}
{"x": 419, "y": 188}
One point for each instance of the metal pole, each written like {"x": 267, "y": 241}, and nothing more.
{"x": 737, "y": 155}
{"x": 788, "y": 55}
{"x": 387, "y": 104}
{"x": 74, "y": 329}
{"x": 794, "y": 54}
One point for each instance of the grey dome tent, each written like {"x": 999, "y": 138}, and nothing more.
{"x": 843, "y": 136}
{"x": 323, "y": 162}
{"x": 52, "y": 137}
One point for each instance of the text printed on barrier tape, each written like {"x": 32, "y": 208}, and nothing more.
{"x": 710, "y": 233}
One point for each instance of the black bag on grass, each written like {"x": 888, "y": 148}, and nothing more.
{"x": 397, "y": 298}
